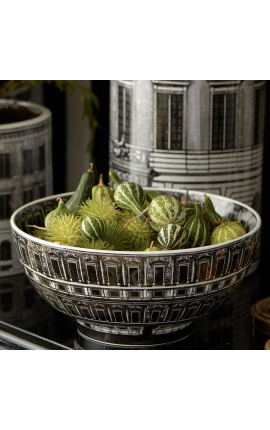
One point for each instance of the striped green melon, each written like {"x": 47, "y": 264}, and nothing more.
{"x": 93, "y": 228}
{"x": 130, "y": 196}
{"x": 210, "y": 209}
{"x": 190, "y": 210}
{"x": 165, "y": 209}
{"x": 170, "y": 236}
{"x": 227, "y": 230}
{"x": 197, "y": 229}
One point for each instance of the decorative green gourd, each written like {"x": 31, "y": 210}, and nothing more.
{"x": 140, "y": 230}
{"x": 115, "y": 178}
{"x": 210, "y": 209}
{"x": 101, "y": 190}
{"x": 170, "y": 236}
{"x": 165, "y": 209}
{"x": 197, "y": 229}
{"x": 130, "y": 196}
{"x": 190, "y": 210}
{"x": 93, "y": 228}
{"x": 83, "y": 190}
{"x": 51, "y": 216}
{"x": 227, "y": 230}
{"x": 150, "y": 195}
{"x": 209, "y": 220}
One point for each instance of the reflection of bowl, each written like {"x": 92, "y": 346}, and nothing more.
{"x": 136, "y": 298}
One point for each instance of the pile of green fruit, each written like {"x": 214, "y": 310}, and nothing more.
{"x": 127, "y": 218}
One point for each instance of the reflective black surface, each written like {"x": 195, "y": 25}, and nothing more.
{"x": 230, "y": 327}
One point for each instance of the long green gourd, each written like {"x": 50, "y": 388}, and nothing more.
{"x": 83, "y": 190}
{"x": 227, "y": 230}
{"x": 130, "y": 195}
{"x": 165, "y": 209}
{"x": 210, "y": 209}
{"x": 197, "y": 229}
{"x": 101, "y": 190}
{"x": 188, "y": 206}
{"x": 115, "y": 178}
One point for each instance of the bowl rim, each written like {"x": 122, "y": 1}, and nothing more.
{"x": 200, "y": 249}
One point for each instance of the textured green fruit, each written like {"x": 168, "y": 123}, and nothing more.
{"x": 210, "y": 209}
{"x": 227, "y": 230}
{"x": 170, "y": 236}
{"x": 66, "y": 230}
{"x": 141, "y": 230}
{"x": 130, "y": 196}
{"x": 165, "y": 209}
{"x": 154, "y": 248}
{"x": 101, "y": 190}
{"x": 93, "y": 228}
{"x": 104, "y": 208}
{"x": 188, "y": 206}
{"x": 115, "y": 178}
{"x": 51, "y": 216}
{"x": 197, "y": 229}
{"x": 209, "y": 220}
{"x": 83, "y": 190}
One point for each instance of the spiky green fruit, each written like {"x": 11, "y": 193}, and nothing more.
{"x": 227, "y": 230}
{"x": 93, "y": 228}
{"x": 165, "y": 209}
{"x": 130, "y": 196}
{"x": 197, "y": 229}
{"x": 96, "y": 244}
{"x": 118, "y": 236}
{"x": 103, "y": 208}
{"x": 140, "y": 230}
{"x": 170, "y": 236}
{"x": 66, "y": 229}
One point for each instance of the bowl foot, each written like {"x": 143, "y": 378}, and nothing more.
{"x": 88, "y": 338}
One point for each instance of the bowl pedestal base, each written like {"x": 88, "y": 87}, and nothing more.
{"x": 87, "y": 336}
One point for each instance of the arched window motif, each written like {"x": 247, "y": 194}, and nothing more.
{"x": 259, "y": 109}
{"x": 28, "y": 163}
{"x": 124, "y": 113}
{"x": 5, "y": 210}
{"x": 41, "y": 157}
{"x": 223, "y": 114}
{"x": 170, "y": 115}
{"x": 5, "y": 250}
{"x": 4, "y": 165}
{"x": 28, "y": 196}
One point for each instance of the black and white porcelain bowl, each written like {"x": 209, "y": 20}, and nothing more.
{"x": 136, "y": 298}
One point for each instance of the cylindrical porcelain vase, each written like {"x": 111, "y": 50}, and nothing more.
{"x": 197, "y": 135}
{"x": 25, "y": 172}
